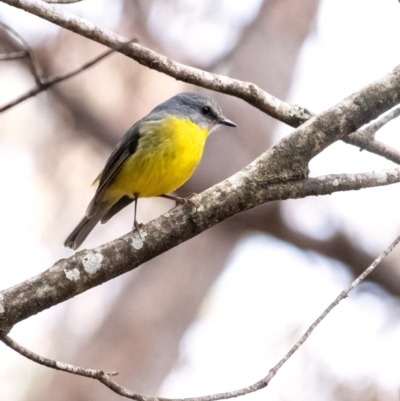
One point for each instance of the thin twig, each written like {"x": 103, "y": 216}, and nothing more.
{"x": 371, "y": 129}
{"x": 13, "y": 55}
{"x": 34, "y": 65}
{"x": 49, "y": 82}
{"x": 75, "y": 370}
{"x": 62, "y": 1}
{"x": 344, "y": 294}
{"x": 373, "y": 146}
{"x": 105, "y": 378}
{"x": 364, "y": 137}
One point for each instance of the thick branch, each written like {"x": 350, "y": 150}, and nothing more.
{"x": 289, "y": 158}
{"x": 270, "y": 177}
{"x": 86, "y": 269}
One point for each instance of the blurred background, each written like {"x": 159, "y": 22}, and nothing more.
{"x": 217, "y": 312}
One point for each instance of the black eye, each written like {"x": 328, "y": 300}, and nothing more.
{"x": 205, "y": 110}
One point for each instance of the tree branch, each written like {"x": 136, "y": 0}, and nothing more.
{"x": 364, "y": 137}
{"x": 105, "y": 378}
{"x": 89, "y": 268}
{"x": 373, "y": 146}
{"x": 99, "y": 375}
{"x": 292, "y": 115}
{"x": 62, "y": 1}
{"x": 270, "y": 177}
{"x": 278, "y": 174}
{"x": 379, "y": 123}
{"x": 33, "y": 63}
{"x": 13, "y": 55}
{"x": 49, "y": 82}
{"x": 43, "y": 84}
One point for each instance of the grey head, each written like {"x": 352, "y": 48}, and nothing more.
{"x": 202, "y": 110}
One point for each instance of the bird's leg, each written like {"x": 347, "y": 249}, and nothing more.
{"x": 136, "y": 225}
{"x": 180, "y": 201}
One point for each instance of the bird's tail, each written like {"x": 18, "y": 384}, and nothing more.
{"x": 83, "y": 229}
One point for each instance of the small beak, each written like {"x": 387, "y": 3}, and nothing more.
{"x": 225, "y": 121}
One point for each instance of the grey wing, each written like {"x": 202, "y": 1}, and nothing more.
{"x": 126, "y": 147}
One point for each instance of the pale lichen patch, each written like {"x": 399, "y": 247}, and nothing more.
{"x": 61, "y": 365}
{"x": 44, "y": 289}
{"x": 236, "y": 181}
{"x": 382, "y": 177}
{"x": 72, "y": 275}
{"x": 137, "y": 240}
{"x": 335, "y": 182}
{"x": 2, "y": 309}
{"x": 201, "y": 208}
{"x": 92, "y": 262}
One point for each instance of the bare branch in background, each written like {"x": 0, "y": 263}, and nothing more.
{"x": 105, "y": 378}
{"x": 62, "y": 1}
{"x": 266, "y": 380}
{"x": 49, "y": 82}
{"x": 99, "y": 375}
{"x": 33, "y": 63}
{"x": 292, "y": 115}
{"x": 46, "y": 83}
{"x": 13, "y": 55}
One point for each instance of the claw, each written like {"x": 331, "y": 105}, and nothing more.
{"x": 136, "y": 228}
{"x": 181, "y": 201}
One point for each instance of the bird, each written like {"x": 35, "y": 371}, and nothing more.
{"x": 156, "y": 156}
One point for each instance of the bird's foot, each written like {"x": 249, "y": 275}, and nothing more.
{"x": 182, "y": 201}
{"x": 136, "y": 228}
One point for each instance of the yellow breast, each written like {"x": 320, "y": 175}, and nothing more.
{"x": 167, "y": 155}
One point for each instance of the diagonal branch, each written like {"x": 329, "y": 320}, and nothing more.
{"x": 13, "y": 55}
{"x": 373, "y": 146}
{"x": 292, "y": 115}
{"x": 364, "y": 137}
{"x": 46, "y": 83}
{"x": 89, "y": 268}
{"x": 105, "y": 378}
{"x": 49, "y": 82}
{"x": 62, "y": 1}
{"x": 33, "y": 63}
{"x": 273, "y": 176}
{"x": 375, "y": 126}
{"x": 99, "y": 375}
